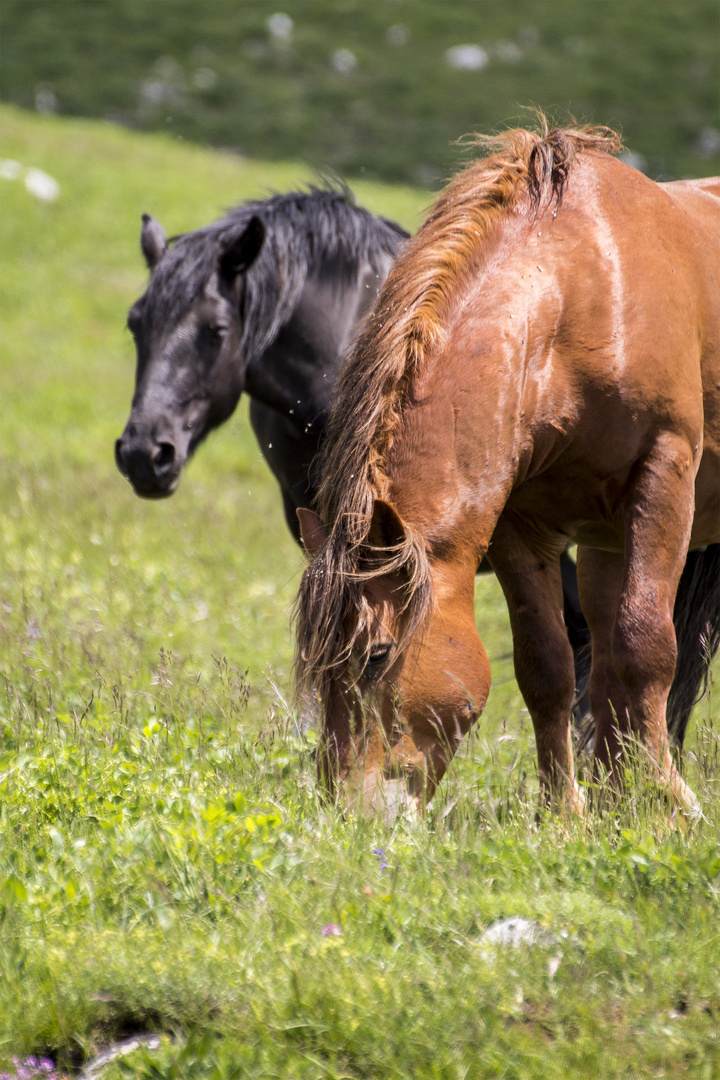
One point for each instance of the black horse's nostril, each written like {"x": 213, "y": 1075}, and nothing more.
{"x": 163, "y": 456}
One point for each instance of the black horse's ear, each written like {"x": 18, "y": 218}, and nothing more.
{"x": 386, "y": 527}
{"x": 242, "y": 253}
{"x": 153, "y": 241}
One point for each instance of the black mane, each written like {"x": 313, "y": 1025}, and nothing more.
{"x": 303, "y": 230}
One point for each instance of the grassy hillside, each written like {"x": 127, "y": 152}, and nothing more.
{"x": 165, "y": 863}
{"x": 367, "y": 87}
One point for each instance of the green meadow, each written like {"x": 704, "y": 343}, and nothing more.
{"x": 166, "y": 864}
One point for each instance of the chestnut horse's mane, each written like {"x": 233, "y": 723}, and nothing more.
{"x": 522, "y": 168}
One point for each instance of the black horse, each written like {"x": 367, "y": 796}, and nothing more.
{"x": 266, "y": 301}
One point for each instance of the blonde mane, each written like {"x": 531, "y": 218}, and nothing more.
{"x": 406, "y": 324}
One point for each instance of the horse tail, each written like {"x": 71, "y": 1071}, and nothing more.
{"x": 697, "y": 630}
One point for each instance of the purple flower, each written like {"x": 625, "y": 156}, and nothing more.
{"x": 380, "y": 856}
{"x": 331, "y": 930}
{"x": 31, "y": 1068}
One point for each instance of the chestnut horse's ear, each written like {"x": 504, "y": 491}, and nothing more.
{"x": 386, "y": 527}
{"x": 312, "y": 529}
{"x": 153, "y": 242}
{"x": 242, "y": 253}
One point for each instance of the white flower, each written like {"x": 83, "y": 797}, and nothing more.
{"x": 41, "y": 185}
{"x": 280, "y": 28}
{"x": 467, "y": 57}
{"x": 344, "y": 61}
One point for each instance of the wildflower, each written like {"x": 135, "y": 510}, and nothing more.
{"x": 331, "y": 930}
{"x": 344, "y": 61}
{"x": 380, "y": 856}
{"x": 280, "y": 28}
{"x": 467, "y": 57}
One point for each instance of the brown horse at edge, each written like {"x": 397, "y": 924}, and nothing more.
{"x": 542, "y": 365}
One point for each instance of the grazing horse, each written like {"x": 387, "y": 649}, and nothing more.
{"x": 542, "y": 364}
{"x": 266, "y": 301}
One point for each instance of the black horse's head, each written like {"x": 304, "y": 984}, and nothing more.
{"x": 188, "y": 331}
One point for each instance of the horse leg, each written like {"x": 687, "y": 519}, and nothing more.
{"x": 578, "y": 635}
{"x": 544, "y": 668}
{"x": 658, "y": 518}
{"x": 600, "y": 577}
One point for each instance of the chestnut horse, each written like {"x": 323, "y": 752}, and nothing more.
{"x": 542, "y": 364}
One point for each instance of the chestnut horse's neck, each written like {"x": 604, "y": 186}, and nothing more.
{"x": 464, "y": 439}
{"x": 444, "y": 445}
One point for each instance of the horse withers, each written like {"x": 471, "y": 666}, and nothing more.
{"x": 542, "y": 364}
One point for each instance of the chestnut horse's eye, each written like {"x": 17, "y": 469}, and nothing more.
{"x": 378, "y": 655}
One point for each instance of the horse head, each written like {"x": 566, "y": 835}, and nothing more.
{"x": 188, "y": 328}
{"x": 396, "y": 661}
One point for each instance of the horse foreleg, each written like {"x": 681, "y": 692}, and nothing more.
{"x": 600, "y": 578}
{"x": 532, "y": 584}
{"x": 578, "y": 634}
{"x": 659, "y": 506}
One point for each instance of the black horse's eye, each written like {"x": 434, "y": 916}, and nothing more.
{"x": 377, "y": 656}
{"x": 217, "y": 333}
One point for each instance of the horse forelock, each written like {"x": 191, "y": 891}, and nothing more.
{"x": 332, "y": 614}
{"x": 522, "y": 168}
{"x": 302, "y": 230}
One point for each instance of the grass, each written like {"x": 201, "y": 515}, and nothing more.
{"x": 165, "y": 862}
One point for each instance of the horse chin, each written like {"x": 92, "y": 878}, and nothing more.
{"x": 157, "y": 492}
{"x": 388, "y": 799}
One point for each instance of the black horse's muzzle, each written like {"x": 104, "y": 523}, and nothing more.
{"x": 152, "y": 466}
